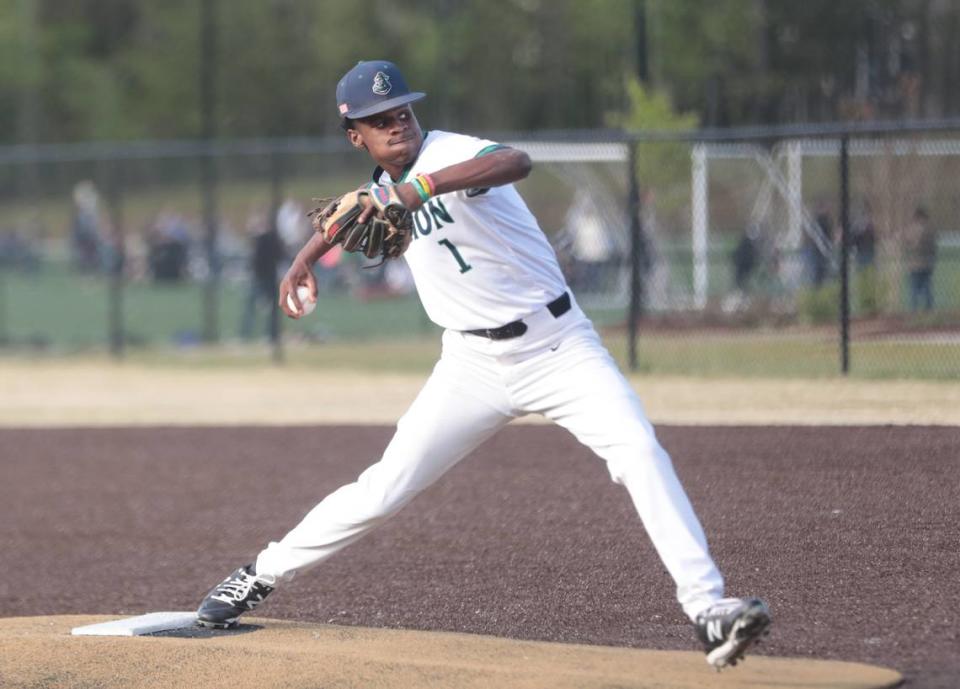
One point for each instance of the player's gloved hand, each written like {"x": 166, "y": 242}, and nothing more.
{"x": 299, "y": 273}
{"x": 372, "y": 220}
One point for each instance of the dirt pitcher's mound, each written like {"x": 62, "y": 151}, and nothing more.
{"x": 40, "y": 652}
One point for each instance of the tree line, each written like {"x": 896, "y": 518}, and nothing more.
{"x": 131, "y": 69}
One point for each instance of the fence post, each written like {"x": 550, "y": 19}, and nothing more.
{"x": 795, "y": 192}
{"x": 637, "y": 249}
{"x": 845, "y": 255}
{"x": 700, "y": 247}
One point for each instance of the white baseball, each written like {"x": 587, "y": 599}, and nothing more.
{"x": 307, "y": 301}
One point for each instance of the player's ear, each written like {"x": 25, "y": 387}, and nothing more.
{"x": 356, "y": 139}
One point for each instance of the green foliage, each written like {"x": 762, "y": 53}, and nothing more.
{"x": 14, "y": 74}
{"x": 130, "y": 68}
{"x": 820, "y": 305}
{"x": 160, "y": 72}
{"x": 648, "y": 109}
{"x": 703, "y": 50}
{"x": 662, "y": 167}
{"x": 868, "y": 292}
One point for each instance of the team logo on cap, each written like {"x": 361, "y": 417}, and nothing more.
{"x": 381, "y": 84}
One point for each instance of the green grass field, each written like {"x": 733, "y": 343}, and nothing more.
{"x": 68, "y": 312}
{"x": 54, "y": 312}
{"x": 789, "y": 355}
{"x": 786, "y": 356}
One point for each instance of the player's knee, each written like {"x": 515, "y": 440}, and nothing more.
{"x": 639, "y": 451}
{"x": 379, "y": 492}
{"x": 388, "y": 486}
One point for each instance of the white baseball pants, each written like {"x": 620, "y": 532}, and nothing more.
{"x": 560, "y": 369}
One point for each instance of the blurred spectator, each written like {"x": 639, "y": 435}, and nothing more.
{"x": 112, "y": 249}
{"x": 293, "y": 226}
{"x": 16, "y": 252}
{"x": 19, "y": 246}
{"x": 592, "y": 249}
{"x": 168, "y": 243}
{"x": 369, "y": 277}
{"x": 654, "y": 262}
{"x": 85, "y": 239}
{"x": 398, "y": 278}
{"x": 864, "y": 242}
{"x": 266, "y": 253}
{"x": 744, "y": 257}
{"x": 817, "y": 263}
{"x": 920, "y": 252}
{"x": 864, "y": 239}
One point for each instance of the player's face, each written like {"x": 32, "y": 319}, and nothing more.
{"x": 393, "y": 138}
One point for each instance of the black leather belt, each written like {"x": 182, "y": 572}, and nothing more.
{"x": 557, "y": 307}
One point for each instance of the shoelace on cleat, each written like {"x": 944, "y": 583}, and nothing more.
{"x": 236, "y": 590}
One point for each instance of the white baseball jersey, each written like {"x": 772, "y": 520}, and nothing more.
{"x": 478, "y": 257}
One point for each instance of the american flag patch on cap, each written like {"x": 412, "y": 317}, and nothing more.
{"x": 343, "y": 108}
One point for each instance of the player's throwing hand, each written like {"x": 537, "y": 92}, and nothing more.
{"x": 299, "y": 273}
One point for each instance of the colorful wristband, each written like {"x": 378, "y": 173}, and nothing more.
{"x": 428, "y": 180}
{"x": 421, "y": 188}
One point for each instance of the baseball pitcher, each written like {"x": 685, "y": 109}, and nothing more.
{"x": 515, "y": 342}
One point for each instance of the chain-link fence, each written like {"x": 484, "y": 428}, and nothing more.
{"x": 789, "y": 252}
{"x": 830, "y": 251}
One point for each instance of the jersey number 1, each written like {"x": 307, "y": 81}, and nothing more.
{"x": 464, "y": 266}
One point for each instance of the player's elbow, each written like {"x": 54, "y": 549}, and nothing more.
{"x": 523, "y": 164}
{"x": 508, "y": 165}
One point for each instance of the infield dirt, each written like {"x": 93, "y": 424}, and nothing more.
{"x": 848, "y": 532}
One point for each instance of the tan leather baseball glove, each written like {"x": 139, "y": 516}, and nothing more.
{"x": 386, "y": 233}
